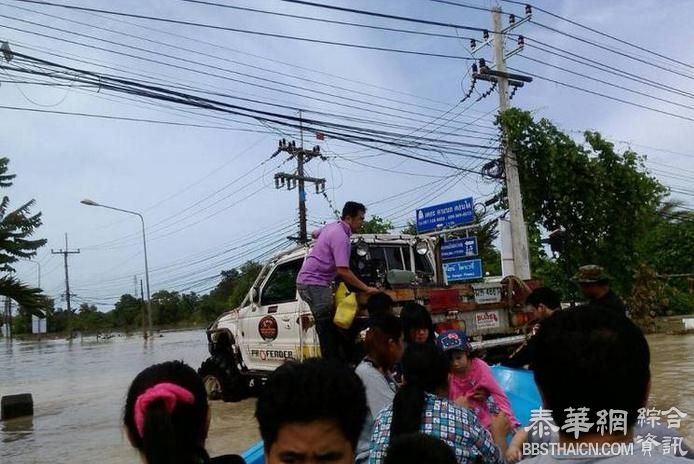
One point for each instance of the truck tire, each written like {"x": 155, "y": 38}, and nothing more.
{"x": 223, "y": 380}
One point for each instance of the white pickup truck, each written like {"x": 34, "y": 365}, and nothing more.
{"x": 273, "y": 324}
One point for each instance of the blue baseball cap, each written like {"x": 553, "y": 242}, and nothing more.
{"x": 453, "y": 340}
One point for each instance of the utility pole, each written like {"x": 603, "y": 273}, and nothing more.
{"x": 502, "y": 79}
{"x": 142, "y": 309}
{"x": 299, "y": 180}
{"x": 7, "y": 316}
{"x": 65, "y": 254}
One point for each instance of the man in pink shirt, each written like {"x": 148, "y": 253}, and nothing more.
{"x": 329, "y": 259}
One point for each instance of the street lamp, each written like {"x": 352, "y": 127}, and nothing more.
{"x": 144, "y": 245}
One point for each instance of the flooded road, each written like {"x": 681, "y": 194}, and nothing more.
{"x": 79, "y": 390}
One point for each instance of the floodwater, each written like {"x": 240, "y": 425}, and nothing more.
{"x": 79, "y": 390}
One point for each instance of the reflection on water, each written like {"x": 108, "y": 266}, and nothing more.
{"x": 79, "y": 389}
{"x": 672, "y": 377}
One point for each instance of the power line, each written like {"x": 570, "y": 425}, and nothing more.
{"x": 602, "y": 66}
{"x": 245, "y": 31}
{"x": 611, "y": 84}
{"x": 612, "y": 50}
{"x": 604, "y": 34}
{"x": 128, "y": 119}
{"x": 575, "y": 87}
{"x": 222, "y": 77}
{"x": 198, "y": 52}
{"x": 327, "y": 21}
{"x": 388, "y": 16}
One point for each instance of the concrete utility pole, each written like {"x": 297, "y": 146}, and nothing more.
{"x": 291, "y": 181}
{"x": 65, "y": 254}
{"x": 142, "y": 311}
{"x": 519, "y": 232}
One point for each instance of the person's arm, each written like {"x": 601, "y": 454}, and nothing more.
{"x": 514, "y": 452}
{"x": 523, "y": 356}
{"x": 490, "y": 446}
{"x": 348, "y": 277}
{"x": 341, "y": 250}
{"x": 488, "y": 381}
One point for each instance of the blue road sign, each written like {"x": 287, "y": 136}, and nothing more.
{"x": 470, "y": 269}
{"x": 453, "y": 213}
{"x": 459, "y": 248}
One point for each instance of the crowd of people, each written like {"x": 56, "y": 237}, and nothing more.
{"x": 447, "y": 410}
{"x": 417, "y": 396}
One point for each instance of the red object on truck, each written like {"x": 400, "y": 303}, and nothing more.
{"x": 444, "y": 299}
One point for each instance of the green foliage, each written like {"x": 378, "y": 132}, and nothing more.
{"x": 169, "y": 308}
{"x": 604, "y": 199}
{"x": 410, "y": 228}
{"x": 376, "y": 225}
{"x": 16, "y": 229}
{"x": 669, "y": 247}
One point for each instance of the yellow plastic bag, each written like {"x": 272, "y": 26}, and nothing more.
{"x": 346, "y": 307}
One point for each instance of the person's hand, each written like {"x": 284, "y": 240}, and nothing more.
{"x": 372, "y": 290}
{"x": 464, "y": 402}
{"x": 500, "y": 425}
{"x": 513, "y": 454}
{"x": 481, "y": 394}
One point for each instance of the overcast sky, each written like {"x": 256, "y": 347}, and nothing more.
{"x": 207, "y": 194}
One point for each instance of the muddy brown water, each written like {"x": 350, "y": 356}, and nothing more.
{"x": 79, "y": 391}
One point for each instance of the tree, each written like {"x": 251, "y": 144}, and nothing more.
{"x": 376, "y": 225}
{"x": 669, "y": 247}
{"x": 16, "y": 229}
{"x": 126, "y": 313}
{"x": 603, "y": 198}
{"x": 410, "y": 228}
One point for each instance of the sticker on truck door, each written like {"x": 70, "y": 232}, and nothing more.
{"x": 487, "y": 319}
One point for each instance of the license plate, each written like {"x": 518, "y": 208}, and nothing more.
{"x": 487, "y": 293}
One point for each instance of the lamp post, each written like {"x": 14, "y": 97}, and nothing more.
{"x": 144, "y": 245}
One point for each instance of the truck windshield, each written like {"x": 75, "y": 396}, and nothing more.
{"x": 382, "y": 258}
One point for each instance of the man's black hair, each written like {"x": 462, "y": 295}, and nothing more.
{"x": 417, "y": 448}
{"x": 545, "y": 296}
{"x": 388, "y": 324}
{"x": 352, "y": 208}
{"x": 313, "y": 390}
{"x": 590, "y": 357}
{"x": 379, "y": 303}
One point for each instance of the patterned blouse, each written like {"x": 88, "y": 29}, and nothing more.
{"x": 456, "y": 426}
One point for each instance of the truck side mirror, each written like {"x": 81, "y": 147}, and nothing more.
{"x": 255, "y": 296}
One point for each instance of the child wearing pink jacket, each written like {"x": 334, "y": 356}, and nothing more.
{"x": 470, "y": 380}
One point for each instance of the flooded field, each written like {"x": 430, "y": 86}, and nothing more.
{"x": 79, "y": 390}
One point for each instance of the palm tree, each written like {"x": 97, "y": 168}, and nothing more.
{"x": 16, "y": 229}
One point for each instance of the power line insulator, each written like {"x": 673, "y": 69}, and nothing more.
{"x": 521, "y": 41}
{"x": 528, "y": 10}
{"x": 474, "y": 68}
{"x": 483, "y": 63}
{"x": 485, "y": 34}
{"x": 473, "y": 44}
{"x": 512, "y": 19}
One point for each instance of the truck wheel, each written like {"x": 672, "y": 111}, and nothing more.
{"x": 222, "y": 380}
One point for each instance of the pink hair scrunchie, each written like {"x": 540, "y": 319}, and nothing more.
{"x": 169, "y": 393}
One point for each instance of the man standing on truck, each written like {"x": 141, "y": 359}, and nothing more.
{"x": 329, "y": 259}
{"x": 595, "y": 285}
